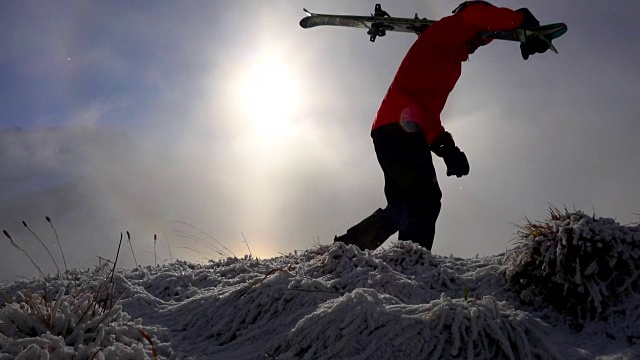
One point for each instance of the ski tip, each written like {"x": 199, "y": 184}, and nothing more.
{"x": 306, "y": 11}
{"x": 304, "y": 22}
{"x": 551, "y": 47}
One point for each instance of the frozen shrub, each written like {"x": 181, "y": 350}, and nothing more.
{"x": 68, "y": 327}
{"x": 578, "y": 264}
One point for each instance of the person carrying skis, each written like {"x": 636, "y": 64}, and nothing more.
{"x": 407, "y": 125}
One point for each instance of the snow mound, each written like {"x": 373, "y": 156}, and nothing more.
{"x": 366, "y": 324}
{"x": 329, "y": 302}
{"x": 580, "y": 265}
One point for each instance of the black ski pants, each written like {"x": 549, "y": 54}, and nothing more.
{"x": 411, "y": 189}
{"x": 410, "y": 182}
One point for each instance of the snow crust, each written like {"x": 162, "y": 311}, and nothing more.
{"x": 328, "y": 302}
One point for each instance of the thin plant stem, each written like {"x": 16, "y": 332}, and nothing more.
{"x": 58, "y": 241}
{"x": 155, "y": 254}
{"x": 245, "y": 241}
{"x": 113, "y": 271}
{"x": 196, "y": 251}
{"x": 204, "y": 242}
{"x": 168, "y": 246}
{"x": 105, "y": 260}
{"x": 131, "y": 246}
{"x": 13, "y": 243}
{"x": 209, "y": 236}
{"x": 43, "y": 245}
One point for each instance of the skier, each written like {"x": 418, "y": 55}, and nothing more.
{"x": 407, "y": 125}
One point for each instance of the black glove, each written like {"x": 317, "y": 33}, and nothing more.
{"x": 533, "y": 45}
{"x": 457, "y": 164}
{"x": 456, "y": 161}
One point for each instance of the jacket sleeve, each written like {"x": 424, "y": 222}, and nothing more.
{"x": 485, "y": 17}
{"x": 432, "y": 124}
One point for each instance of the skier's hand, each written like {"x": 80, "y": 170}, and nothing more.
{"x": 533, "y": 45}
{"x": 456, "y": 160}
{"x": 457, "y": 163}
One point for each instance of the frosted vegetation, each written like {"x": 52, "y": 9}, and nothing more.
{"x": 568, "y": 289}
{"x": 587, "y": 265}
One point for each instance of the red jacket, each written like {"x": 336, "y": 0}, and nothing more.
{"x": 432, "y": 66}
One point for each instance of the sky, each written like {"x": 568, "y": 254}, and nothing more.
{"x": 231, "y": 118}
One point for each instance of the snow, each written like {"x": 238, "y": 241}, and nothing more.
{"x": 339, "y": 302}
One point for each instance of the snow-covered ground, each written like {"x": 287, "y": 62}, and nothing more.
{"x": 338, "y": 302}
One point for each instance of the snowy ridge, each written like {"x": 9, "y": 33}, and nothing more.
{"x": 338, "y": 302}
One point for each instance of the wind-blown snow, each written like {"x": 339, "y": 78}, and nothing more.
{"x": 329, "y": 302}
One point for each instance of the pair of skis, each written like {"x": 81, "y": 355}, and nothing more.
{"x": 380, "y": 22}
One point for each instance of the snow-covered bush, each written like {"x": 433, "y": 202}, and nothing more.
{"x": 365, "y": 324}
{"x": 274, "y": 298}
{"x": 577, "y": 263}
{"x": 415, "y": 262}
{"x": 71, "y": 326}
{"x": 405, "y": 270}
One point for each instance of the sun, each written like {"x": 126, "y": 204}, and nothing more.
{"x": 269, "y": 95}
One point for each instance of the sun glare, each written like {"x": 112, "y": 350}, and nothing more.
{"x": 269, "y": 95}
{"x": 266, "y": 119}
